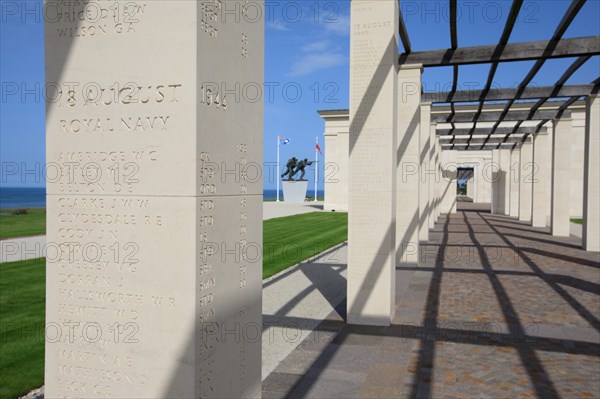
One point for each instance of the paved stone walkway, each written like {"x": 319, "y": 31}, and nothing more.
{"x": 495, "y": 309}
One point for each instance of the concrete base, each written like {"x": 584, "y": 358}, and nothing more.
{"x": 294, "y": 191}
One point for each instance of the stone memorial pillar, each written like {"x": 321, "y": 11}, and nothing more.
{"x": 439, "y": 177}
{"x": 515, "y": 178}
{"x": 591, "y": 181}
{"x": 154, "y": 199}
{"x": 505, "y": 182}
{"x": 432, "y": 175}
{"x": 372, "y": 184}
{"x": 424, "y": 155}
{"x": 494, "y": 174}
{"x": 408, "y": 214}
{"x": 561, "y": 154}
{"x": 541, "y": 155}
{"x": 526, "y": 181}
{"x": 471, "y": 186}
{"x": 449, "y": 182}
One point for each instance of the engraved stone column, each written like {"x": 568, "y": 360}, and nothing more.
{"x": 154, "y": 148}
{"x": 440, "y": 178}
{"x": 408, "y": 215}
{"x": 515, "y": 176}
{"x": 432, "y": 175}
{"x": 591, "y": 181}
{"x": 494, "y": 173}
{"x": 505, "y": 158}
{"x": 438, "y": 184}
{"x": 448, "y": 186}
{"x": 561, "y": 153}
{"x": 471, "y": 186}
{"x": 372, "y": 180}
{"x": 332, "y": 193}
{"x": 541, "y": 182}
{"x": 424, "y": 155}
{"x": 526, "y": 181}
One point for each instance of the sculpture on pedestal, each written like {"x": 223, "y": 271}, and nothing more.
{"x": 293, "y": 167}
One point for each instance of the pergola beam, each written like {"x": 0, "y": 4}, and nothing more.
{"x": 483, "y": 130}
{"x": 495, "y": 116}
{"x": 525, "y": 51}
{"x": 466, "y": 147}
{"x": 508, "y": 28}
{"x": 481, "y": 140}
{"x": 404, "y": 34}
{"x": 555, "y": 40}
{"x": 508, "y": 94}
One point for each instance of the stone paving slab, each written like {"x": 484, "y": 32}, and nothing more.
{"x": 522, "y": 322}
{"x": 296, "y": 300}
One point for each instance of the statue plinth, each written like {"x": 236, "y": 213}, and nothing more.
{"x": 294, "y": 191}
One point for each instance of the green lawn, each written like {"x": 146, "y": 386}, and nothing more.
{"x": 287, "y": 241}
{"x": 292, "y": 239}
{"x": 577, "y": 221}
{"x": 33, "y": 223}
{"x": 22, "y": 297}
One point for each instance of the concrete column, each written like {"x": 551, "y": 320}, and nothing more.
{"x": 333, "y": 192}
{"x": 561, "y": 154}
{"x": 448, "y": 183}
{"x": 424, "y": 155}
{"x": 471, "y": 187}
{"x": 152, "y": 297}
{"x": 432, "y": 175}
{"x": 515, "y": 176}
{"x": 493, "y": 172}
{"x": 577, "y": 164}
{"x": 438, "y": 177}
{"x": 526, "y": 181}
{"x": 505, "y": 181}
{"x": 408, "y": 183}
{"x": 372, "y": 188}
{"x": 476, "y": 183}
{"x": 541, "y": 180}
{"x": 591, "y": 181}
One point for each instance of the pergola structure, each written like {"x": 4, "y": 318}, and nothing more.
{"x": 582, "y": 49}
{"x": 521, "y": 136}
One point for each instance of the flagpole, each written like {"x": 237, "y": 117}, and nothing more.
{"x": 277, "y": 174}
{"x": 316, "y": 166}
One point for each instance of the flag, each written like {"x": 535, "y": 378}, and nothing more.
{"x": 319, "y": 149}
{"x": 283, "y": 140}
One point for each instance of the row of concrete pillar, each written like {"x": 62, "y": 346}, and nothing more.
{"x": 532, "y": 181}
{"x": 400, "y": 181}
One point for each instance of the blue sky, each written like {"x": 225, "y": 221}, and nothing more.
{"x": 306, "y": 65}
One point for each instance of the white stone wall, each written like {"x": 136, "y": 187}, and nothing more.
{"x": 576, "y": 167}
{"x": 337, "y": 153}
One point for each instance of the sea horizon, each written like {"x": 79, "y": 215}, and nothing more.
{"x": 35, "y": 197}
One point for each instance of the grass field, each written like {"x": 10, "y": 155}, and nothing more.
{"x": 22, "y": 297}
{"x": 577, "y": 221}
{"x": 33, "y": 223}
{"x": 292, "y": 239}
{"x": 287, "y": 241}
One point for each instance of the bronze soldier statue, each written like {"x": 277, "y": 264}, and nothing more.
{"x": 291, "y": 164}
{"x": 300, "y": 168}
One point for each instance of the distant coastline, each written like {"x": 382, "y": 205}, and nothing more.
{"x": 35, "y": 197}
{"x": 22, "y": 197}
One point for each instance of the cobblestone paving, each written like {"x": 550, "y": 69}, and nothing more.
{"x": 496, "y": 309}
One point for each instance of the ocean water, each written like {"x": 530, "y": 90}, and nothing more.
{"x": 19, "y": 197}
{"x": 272, "y": 194}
